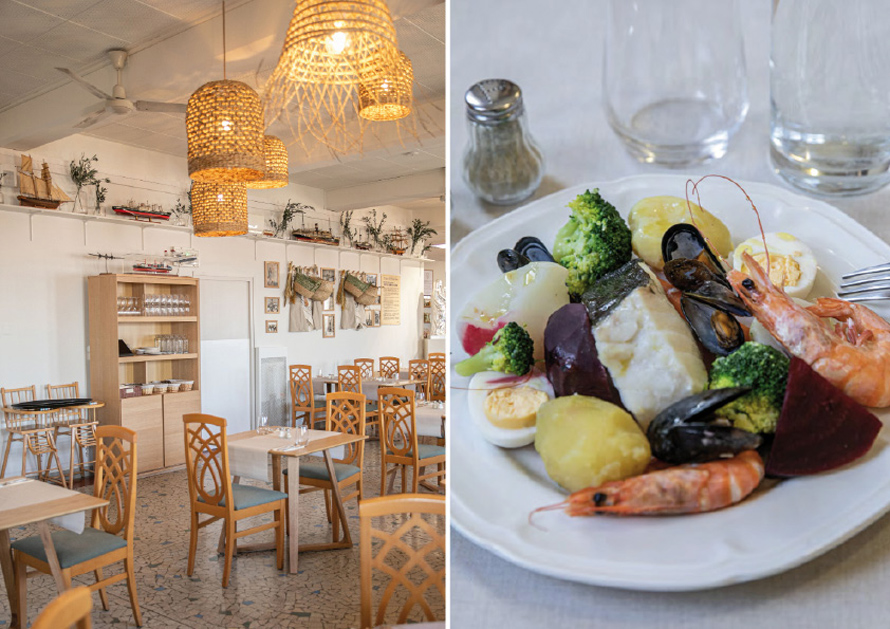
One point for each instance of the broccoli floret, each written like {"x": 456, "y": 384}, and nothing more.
{"x": 511, "y": 350}
{"x": 595, "y": 241}
{"x": 762, "y": 368}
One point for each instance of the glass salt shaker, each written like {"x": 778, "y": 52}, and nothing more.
{"x": 502, "y": 163}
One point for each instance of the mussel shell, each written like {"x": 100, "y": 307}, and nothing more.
{"x": 717, "y": 330}
{"x": 689, "y": 275}
{"x": 685, "y": 241}
{"x": 510, "y": 260}
{"x": 533, "y": 249}
{"x": 721, "y": 297}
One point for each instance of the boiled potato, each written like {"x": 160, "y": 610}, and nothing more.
{"x": 651, "y": 217}
{"x": 585, "y": 442}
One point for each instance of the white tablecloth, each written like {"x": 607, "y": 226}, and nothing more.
{"x": 29, "y": 492}
{"x": 249, "y": 458}
{"x": 554, "y": 52}
{"x": 428, "y": 420}
{"x": 369, "y": 387}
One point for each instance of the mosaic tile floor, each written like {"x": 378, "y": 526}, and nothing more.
{"x": 323, "y": 594}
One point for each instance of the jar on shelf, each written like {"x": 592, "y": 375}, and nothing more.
{"x": 502, "y": 163}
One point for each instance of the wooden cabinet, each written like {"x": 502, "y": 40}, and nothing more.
{"x": 157, "y": 418}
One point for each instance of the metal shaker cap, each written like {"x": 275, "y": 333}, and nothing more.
{"x": 493, "y": 100}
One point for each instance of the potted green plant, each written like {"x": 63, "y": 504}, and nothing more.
{"x": 375, "y": 230}
{"x": 83, "y": 174}
{"x": 291, "y": 209}
{"x": 419, "y": 232}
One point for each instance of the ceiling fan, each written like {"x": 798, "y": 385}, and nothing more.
{"x": 117, "y": 103}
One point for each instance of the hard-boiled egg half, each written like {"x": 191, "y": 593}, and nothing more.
{"x": 792, "y": 265}
{"x": 504, "y": 408}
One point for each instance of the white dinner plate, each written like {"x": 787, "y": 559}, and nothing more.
{"x": 781, "y": 526}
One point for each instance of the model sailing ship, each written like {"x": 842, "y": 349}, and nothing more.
{"x": 398, "y": 241}
{"x": 316, "y": 235}
{"x": 39, "y": 191}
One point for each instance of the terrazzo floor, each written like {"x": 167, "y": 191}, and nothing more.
{"x": 323, "y": 594}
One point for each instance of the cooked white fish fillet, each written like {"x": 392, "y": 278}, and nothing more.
{"x": 650, "y": 353}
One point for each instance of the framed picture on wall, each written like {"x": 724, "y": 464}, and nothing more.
{"x": 329, "y": 275}
{"x": 427, "y": 302}
{"x": 270, "y": 275}
{"x": 426, "y": 317}
{"x": 328, "y": 329}
{"x": 376, "y": 318}
{"x": 369, "y": 318}
{"x": 271, "y": 327}
{"x": 273, "y": 305}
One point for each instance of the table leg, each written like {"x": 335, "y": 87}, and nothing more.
{"x": 293, "y": 511}
{"x": 338, "y": 499}
{"x": 9, "y": 576}
{"x": 51, "y": 558}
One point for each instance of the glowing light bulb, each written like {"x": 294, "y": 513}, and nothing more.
{"x": 339, "y": 41}
{"x": 226, "y": 125}
{"x": 220, "y": 197}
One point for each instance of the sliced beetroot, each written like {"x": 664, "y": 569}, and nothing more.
{"x": 820, "y": 427}
{"x": 473, "y": 337}
{"x": 573, "y": 365}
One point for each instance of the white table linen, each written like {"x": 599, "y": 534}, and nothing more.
{"x": 249, "y": 458}
{"x": 428, "y": 418}
{"x": 554, "y": 52}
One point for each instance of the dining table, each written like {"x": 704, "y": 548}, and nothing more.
{"x": 249, "y": 454}
{"x": 555, "y": 56}
{"x": 26, "y": 501}
{"x": 369, "y": 385}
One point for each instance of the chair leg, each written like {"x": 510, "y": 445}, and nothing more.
{"x": 327, "y": 503}
{"x": 131, "y": 588}
{"x": 383, "y": 474}
{"x": 404, "y": 487}
{"x": 71, "y": 465}
{"x": 415, "y": 477}
{"x": 55, "y": 454}
{"x": 6, "y": 451}
{"x": 280, "y": 517}
{"x": 21, "y": 591}
{"x": 335, "y": 522}
{"x": 392, "y": 479}
{"x": 230, "y": 550}
{"x": 193, "y": 544}
{"x": 26, "y": 445}
{"x": 103, "y": 595}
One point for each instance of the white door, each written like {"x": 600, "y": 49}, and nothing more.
{"x": 225, "y": 351}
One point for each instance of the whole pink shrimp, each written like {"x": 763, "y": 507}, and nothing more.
{"x": 854, "y": 356}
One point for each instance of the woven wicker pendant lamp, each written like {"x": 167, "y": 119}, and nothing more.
{"x": 383, "y": 96}
{"x": 224, "y": 124}
{"x": 276, "y": 165}
{"x": 328, "y": 45}
{"x": 219, "y": 209}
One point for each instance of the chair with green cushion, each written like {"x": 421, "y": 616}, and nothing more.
{"x": 346, "y": 414}
{"x": 398, "y": 443}
{"x": 101, "y": 544}
{"x": 212, "y": 493}
{"x": 304, "y": 402}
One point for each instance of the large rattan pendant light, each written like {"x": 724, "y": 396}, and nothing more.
{"x": 224, "y": 124}
{"x": 219, "y": 209}
{"x": 386, "y": 96}
{"x": 276, "y": 165}
{"x": 315, "y": 84}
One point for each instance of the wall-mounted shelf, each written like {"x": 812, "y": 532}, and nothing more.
{"x": 141, "y": 319}
{"x": 150, "y": 358}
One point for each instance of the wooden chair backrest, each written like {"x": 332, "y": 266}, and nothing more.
{"x": 207, "y": 459}
{"x": 65, "y": 392}
{"x": 115, "y": 480}
{"x": 366, "y": 365}
{"x": 349, "y": 379}
{"x": 419, "y": 369}
{"x": 436, "y": 356}
{"x": 71, "y": 608}
{"x": 301, "y": 394}
{"x": 389, "y": 367}
{"x": 417, "y": 564}
{"x": 437, "y": 380}
{"x": 398, "y": 428}
{"x": 346, "y": 414}
{"x": 14, "y": 396}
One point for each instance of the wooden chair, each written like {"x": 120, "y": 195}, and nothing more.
{"x": 420, "y": 370}
{"x": 100, "y": 544}
{"x": 389, "y": 367}
{"x": 436, "y": 356}
{"x": 70, "y": 609}
{"x": 302, "y": 396}
{"x": 366, "y": 365}
{"x": 76, "y": 423}
{"x": 398, "y": 442}
{"x": 212, "y": 493}
{"x": 350, "y": 380}
{"x": 436, "y": 391}
{"x": 346, "y": 414}
{"x": 33, "y": 432}
{"x": 417, "y": 564}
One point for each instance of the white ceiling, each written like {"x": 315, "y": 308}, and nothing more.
{"x": 175, "y": 46}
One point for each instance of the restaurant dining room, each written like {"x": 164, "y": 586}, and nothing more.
{"x": 222, "y": 322}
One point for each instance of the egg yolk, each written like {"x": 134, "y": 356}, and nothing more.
{"x": 514, "y": 407}
{"x": 783, "y": 270}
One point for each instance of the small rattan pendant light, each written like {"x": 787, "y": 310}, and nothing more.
{"x": 224, "y": 124}
{"x": 386, "y": 95}
{"x": 276, "y": 165}
{"x": 219, "y": 209}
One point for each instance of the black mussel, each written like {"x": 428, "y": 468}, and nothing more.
{"x": 717, "y": 330}
{"x": 689, "y": 275}
{"x": 721, "y": 297}
{"x": 533, "y": 249}
{"x": 684, "y": 432}
{"x": 510, "y": 260}
{"x": 685, "y": 241}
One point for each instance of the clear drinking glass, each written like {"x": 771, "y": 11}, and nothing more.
{"x": 263, "y": 427}
{"x": 830, "y": 95}
{"x": 674, "y": 82}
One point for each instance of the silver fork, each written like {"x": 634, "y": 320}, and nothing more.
{"x": 869, "y": 284}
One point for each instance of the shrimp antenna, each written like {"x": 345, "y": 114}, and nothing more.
{"x": 747, "y": 197}
{"x": 558, "y": 505}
